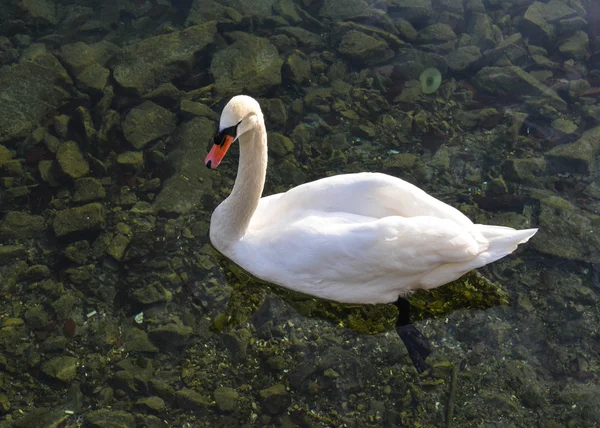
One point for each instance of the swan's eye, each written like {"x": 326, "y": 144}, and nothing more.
{"x": 231, "y": 132}
{"x": 227, "y": 132}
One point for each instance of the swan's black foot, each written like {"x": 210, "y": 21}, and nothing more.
{"x": 416, "y": 344}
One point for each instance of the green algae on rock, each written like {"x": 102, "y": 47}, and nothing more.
{"x": 251, "y": 64}
{"x": 147, "y": 122}
{"x": 71, "y": 160}
{"x": 30, "y": 90}
{"x": 80, "y": 219}
{"x": 145, "y": 65}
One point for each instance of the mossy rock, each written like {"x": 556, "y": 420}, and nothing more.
{"x": 251, "y": 64}
{"x": 81, "y": 219}
{"x": 71, "y": 160}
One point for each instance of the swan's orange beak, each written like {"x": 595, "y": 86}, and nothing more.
{"x": 218, "y": 150}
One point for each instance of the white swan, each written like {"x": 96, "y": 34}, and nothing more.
{"x": 353, "y": 238}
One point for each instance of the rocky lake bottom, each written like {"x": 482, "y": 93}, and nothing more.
{"x": 115, "y": 310}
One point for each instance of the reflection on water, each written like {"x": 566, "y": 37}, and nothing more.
{"x": 115, "y": 309}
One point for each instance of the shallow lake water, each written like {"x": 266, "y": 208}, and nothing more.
{"x": 116, "y": 311}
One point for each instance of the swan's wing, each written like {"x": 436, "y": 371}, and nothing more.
{"x": 353, "y": 258}
{"x": 366, "y": 194}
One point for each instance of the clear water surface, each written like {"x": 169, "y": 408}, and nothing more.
{"x": 115, "y": 311}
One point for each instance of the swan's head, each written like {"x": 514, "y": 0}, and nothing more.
{"x": 241, "y": 114}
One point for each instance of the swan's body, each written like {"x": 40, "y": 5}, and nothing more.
{"x": 355, "y": 238}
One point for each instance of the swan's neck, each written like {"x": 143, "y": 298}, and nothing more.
{"x": 231, "y": 219}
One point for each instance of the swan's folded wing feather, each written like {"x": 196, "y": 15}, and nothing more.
{"x": 320, "y": 251}
{"x": 367, "y": 194}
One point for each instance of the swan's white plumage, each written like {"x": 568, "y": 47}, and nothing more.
{"x": 355, "y": 238}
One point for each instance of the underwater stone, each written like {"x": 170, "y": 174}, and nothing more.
{"x": 463, "y": 58}
{"x": 339, "y": 10}
{"x": 87, "y": 217}
{"x": 151, "y": 293}
{"x": 11, "y": 252}
{"x": 536, "y": 25}
{"x": 136, "y": 340}
{"x": 417, "y": 12}
{"x": 31, "y": 13}
{"x": 71, "y": 160}
{"x": 104, "y": 418}
{"x": 512, "y": 80}
{"x": 226, "y": 398}
{"x": 362, "y": 47}
{"x": 526, "y": 171}
{"x": 154, "y": 404}
{"x": 95, "y": 77}
{"x": 5, "y": 155}
{"x": 280, "y": 145}
{"x": 578, "y": 157}
{"x": 145, "y": 65}
{"x": 274, "y": 111}
{"x": 147, "y": 122}
{"x": 118, "y": 246}
{"x": 297, "y": 68}
{"x": 564, "y": 125}
{"x": 275, "y": 399}
{"x": 198, "y": 109}
{"x": 30, "y": 91}
{"x": 191, "y": 180}
{"x": 304, "y": 38}
{"x": 170, "y": 336}
{"x": 131, "y": 159}
{"x": 251, "y": 64}
{"x": 88, "y": 189}
{"x": 567, "y": 232}
{"x": 483, "y": 35}
{"x": 78, "y": 252}
{"x": 437, "y": 33}
{"x": 189, "y": 399}
{"x": 203, "y": 11}
{"x": 21, "y": 225}
{"x": 61, "y": 368}
{"x": 576, "y": 46}
{"x": 287, "y": 10}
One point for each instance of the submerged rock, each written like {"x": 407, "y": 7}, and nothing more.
{"x": 275, "y": 398}
{"x": 513, "y": 80}
{"x": 297, "y": 68}
{"x": 61, "y": 368}
{"x": 578, "y": 157}
{"x": 226, "y": 398}
{"x": 88, "y": 189}
{"x": 145, "y": 65}
{"x": 339, "y": 10}
{"x": 21, "y": 225}
{"x": 191, "y": 180}
{"x": 34, "y": 13}
{"x": 104, "y": 418}
{"x": 251, "y": 64}
{"x": 362, "y": 47}
{"x": 87, "y": 217}
{"x": 71, "y": 160}
{"x": 463, "y": 58}
{"x": 30, "y": 91}
{"x": 147, "y": 122}
{"x": 567, "y": 232}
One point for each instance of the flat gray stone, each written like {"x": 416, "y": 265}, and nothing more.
{"x": 146, "y": 65}
{"x": 147, "y": 122}
{"x": 251, "y": 65}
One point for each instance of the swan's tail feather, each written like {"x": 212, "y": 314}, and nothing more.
{"x": 502, "y": 240}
